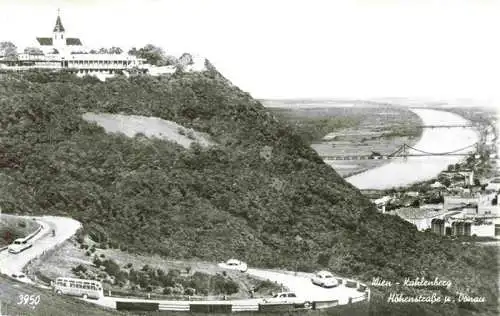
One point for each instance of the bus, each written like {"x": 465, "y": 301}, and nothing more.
{"x": 78, "y": 287}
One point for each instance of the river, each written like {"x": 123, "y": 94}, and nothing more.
{"x": 402, "y": 172}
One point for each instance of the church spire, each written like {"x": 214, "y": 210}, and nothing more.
{"x": 59, "y": 27}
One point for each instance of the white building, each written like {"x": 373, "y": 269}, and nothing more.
{"x": 59, "y": 43}
{"x": 381, "y": 203}
{"x": 61, "y": 52}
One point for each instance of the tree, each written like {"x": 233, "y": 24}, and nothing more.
{"x": 153, "y": 55}
{"x": 33, "y": 51}
{"x": 446, "y": 182}
{"x": 115, "y": 50}
{"x": 8, "y": 49}
{"x": 133, "y": 51}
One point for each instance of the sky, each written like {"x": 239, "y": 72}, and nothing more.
{"x": 297, "y": 49}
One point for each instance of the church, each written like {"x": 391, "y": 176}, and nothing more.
{"x": 59, "y": 43}
{"x": 61, "y": 52}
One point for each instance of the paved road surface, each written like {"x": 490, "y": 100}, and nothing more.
{"x": 301, "y": 284}
{"x": 67, "y": 227}
{"x": 64, "y": 227}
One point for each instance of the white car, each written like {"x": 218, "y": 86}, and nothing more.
{"x": 21, "y": 277}
{"x": 234, "y": 264}
{"x": 324, "y": 279}
{"x": 19, "y": 245}
{"x": 18, "y": 275}
{"x": 287, "y": 298}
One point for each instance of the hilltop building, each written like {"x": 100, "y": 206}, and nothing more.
{"x": 59, "y": 43}
{"x": 61, "y": 52}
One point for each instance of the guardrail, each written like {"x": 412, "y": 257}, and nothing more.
{"x": 173, "y": 307}
{"x": 358, "y": 299}
{"x": 325, "y": 304}
{"x": 245, "y": 308}
{"x": 210, "y": 308}
{"x": 219, "y": 307}
{"x": 30, "y": 236}
{"x": 276, "y": 307}
{"x": 225, "y": 308}
{"x": 137, "y": 306}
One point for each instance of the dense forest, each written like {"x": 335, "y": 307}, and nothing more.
{"x": 261, "y": 194}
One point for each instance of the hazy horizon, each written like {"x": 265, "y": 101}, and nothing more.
{"x": 437, "y": 104}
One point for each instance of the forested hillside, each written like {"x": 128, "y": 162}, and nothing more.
{"x": 261, "y": 194}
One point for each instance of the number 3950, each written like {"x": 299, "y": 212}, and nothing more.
{"x": 25, "y": 299}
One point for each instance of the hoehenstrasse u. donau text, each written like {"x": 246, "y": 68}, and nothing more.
{"x": 434, "y": 298}
{"x": 417, "y": 282}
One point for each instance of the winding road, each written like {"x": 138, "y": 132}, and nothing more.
{"x": 299, "y": 283}
{"x": 43, "y": 241}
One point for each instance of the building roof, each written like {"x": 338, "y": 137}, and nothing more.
{"x": 382, "y": 200}
{"x": 44, "y": 41}
{"x": 437, "y": 184}
{"x": 59, "y": 27}
{"x": 73, "y": 41}
{"x": 417, "y": 213}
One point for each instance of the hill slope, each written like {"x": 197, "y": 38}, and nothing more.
{"x": 44, "y": 302}
{"x": 261, "y": 194}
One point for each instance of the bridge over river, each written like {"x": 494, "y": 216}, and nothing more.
{"x": 446, "y": 139}
{"x": 403, "y": 151}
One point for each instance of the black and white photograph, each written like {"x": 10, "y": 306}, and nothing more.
{"x": 249, "y": 157}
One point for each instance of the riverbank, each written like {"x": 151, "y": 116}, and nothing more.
{"x": 402, "y": 172}
{"x": 351, "y": 128}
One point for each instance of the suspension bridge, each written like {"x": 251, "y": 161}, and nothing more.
{"x": 403, "y": 151}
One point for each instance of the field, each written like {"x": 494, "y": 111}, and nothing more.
{"x": 351, "y": 129}
{"x": 12, "y": 228}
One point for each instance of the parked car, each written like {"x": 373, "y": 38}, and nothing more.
{"x": 21, "y": 277}
{"x": 19, "y": 245}
{"x": 234, "y": 264}
{"x": 287, "y": 298}
{"x": 324, "y": 279}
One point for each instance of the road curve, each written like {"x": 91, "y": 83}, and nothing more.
{"x": 300, "y": 284}
{"x": 67, "y": 227}
{"x": 43, "y": 241}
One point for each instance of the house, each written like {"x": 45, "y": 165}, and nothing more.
{"x": 463, "y": 223}
{"x": 381, "y": 203}
{"x": 420, "y": 217}
{"x": 460, "y": 200}
{"x": 493, "y": 185}
{"x": 412, "y": 193}
{"x": 462, "y": 177}
{"x": 436, "y": 207}
{"x": 437, "y": 185}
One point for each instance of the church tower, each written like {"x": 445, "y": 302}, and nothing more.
{"x": 58, "y": 37}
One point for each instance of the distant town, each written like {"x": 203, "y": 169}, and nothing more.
{"x": 461, "y": 201}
